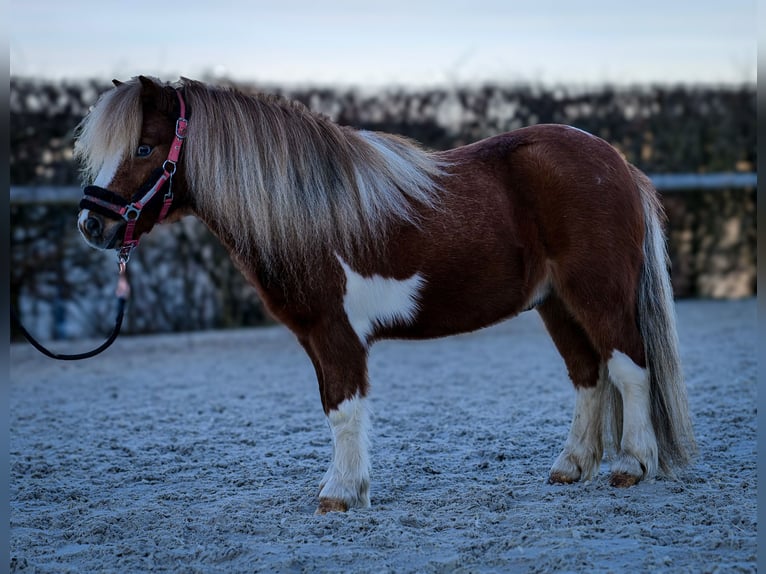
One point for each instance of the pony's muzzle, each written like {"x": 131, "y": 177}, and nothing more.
{"x": 98, "y": 232}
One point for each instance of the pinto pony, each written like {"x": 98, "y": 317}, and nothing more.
{"x": 353, "y": 236}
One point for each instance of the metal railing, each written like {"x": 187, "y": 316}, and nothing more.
{"x": 692, "y": 181}
{"x": 663, "y": 182}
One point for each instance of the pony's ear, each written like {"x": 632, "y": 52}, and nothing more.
{"x": 117, "y": 83}
{"x": 161, "y": 98}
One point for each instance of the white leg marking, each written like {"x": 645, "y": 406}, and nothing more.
{"x": 583, "y": 449}
{"x": 372, "y": 301}
{"x": 108, "y": 171}
{"x": 348, "y": 478}
{"x": 638, "y": 447}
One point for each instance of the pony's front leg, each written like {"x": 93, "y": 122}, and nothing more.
{"x": 340, "y": 362}
{"x": 346, "y": 483}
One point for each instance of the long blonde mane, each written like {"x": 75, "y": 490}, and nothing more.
{"x": 274, "y": 174}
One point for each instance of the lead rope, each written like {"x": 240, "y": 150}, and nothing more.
{"x": 122, "y": 292}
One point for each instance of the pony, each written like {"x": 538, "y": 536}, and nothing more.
{"x": 352, "y": 236}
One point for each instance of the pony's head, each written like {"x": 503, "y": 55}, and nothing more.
{"x": 126, "y": 146}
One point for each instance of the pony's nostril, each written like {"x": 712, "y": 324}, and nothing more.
{"x": 93, "y": 226}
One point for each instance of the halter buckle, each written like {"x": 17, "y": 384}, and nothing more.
{"x": 181, "y": 125}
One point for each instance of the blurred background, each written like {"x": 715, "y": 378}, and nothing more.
{"x": 670, "y": 84}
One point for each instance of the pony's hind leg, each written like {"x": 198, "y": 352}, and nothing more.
{"x": 638, "y": 452}
{"x": 613, "y": 330}
{"x": 340, "y": 363}
{"x": 583, "y": 449}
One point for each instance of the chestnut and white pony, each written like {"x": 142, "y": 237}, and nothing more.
{"x": 353, "y": 236}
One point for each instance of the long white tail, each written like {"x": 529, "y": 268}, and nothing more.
{"x": 657, "y": 322}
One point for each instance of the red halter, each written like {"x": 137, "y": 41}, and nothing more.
{"x": 110, "y": 203}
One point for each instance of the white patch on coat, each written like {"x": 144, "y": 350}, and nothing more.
{"x": 376, "y": 300}
{"x": 348, "y": 478}
{"x": 108, "y": 171}
{"x": 583, "y": 449}
{"x": 638, "y": 439}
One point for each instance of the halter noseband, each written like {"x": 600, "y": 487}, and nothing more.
{"x": 111, "y": 205}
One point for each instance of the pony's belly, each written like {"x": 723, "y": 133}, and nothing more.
{"x": 474, "y": 294}
{"x": 436, "y": 320}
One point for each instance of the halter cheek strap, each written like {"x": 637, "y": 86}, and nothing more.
{"x": 111, "y": 205}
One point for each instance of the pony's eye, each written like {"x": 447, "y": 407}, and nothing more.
{"x": 143, "y": 150}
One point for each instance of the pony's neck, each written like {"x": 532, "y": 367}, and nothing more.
{"x": 287, "y": 182}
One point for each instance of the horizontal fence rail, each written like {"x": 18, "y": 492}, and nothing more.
{"x": 663, "y": 182}
{"x": 692, "y": 181}
{"x": 45, "y": 194}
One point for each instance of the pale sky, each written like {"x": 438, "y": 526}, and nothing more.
{"x": 402, "y": 42}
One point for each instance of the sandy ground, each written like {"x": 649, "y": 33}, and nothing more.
{"x": 203, "y": 452}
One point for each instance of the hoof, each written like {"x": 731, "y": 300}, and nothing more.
{"x": 622, "y": 480}
{"x": 561, "y": 478}
{"x": 331, "y": 505}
